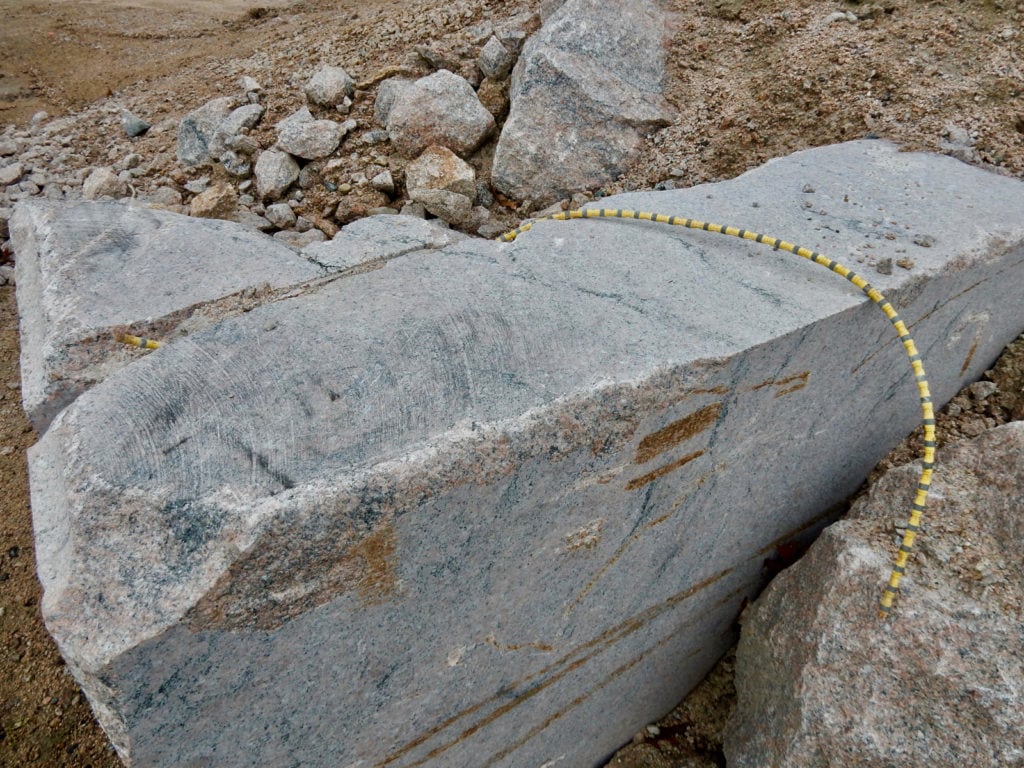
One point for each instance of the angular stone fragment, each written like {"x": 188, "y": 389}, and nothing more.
{"x": 495, "y": 60}
{"x": 275, "y": 171}
{"x": 89, "y": 271}
{"x": 280, "y": 215}
{"x": 441, "y": 108}
{"x": 218, "y": 202}
{"x": 103, "y": 182}
{"x": 10, "y": 173}
{"x": 132, "y": 124}
{"x": 821, "y": 681}
{"x": 498, "y": 504}
{"x": 387, "y": 93}
{"x": 330, "y": 86}
{"x": 440, "y": 168}
{"x": 448, "y": 206}
{"x": 310, "y": 139}
{"x": 585, "y": 91}
{"x": 197, "y": 128}
{"x": 226, "y": 133}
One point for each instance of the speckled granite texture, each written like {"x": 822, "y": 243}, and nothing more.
{"x": 500, "y": 504}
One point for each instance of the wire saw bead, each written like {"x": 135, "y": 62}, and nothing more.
{"x": 139, "y": 341}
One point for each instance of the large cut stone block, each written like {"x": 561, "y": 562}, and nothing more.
{"x": 499, "y": 504}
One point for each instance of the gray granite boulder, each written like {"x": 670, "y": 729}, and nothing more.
{"x": 329, "y": 86}
{"x": 494, "y": 504}
{"x": 440, "y": 168}
{"x": 823, "y": 682}
{"x": 197, "y": 128}
{"x": 442, "y": 109}
{"x": 303, "y": 136}
{"x": 275, "y": 171}
{"x": 103, "y": 182}
{"x": 585, "y": 91}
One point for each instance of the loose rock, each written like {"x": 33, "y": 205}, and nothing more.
{"x": 218, "y": 202}
{"x": 586, "y": 90}
{"x": 440, "y": 168}
{"x": 495, "y": 60}
{"x": 103, "y": 182}
{"x": 443, "y": 109}
{"x": 133, "y": 125}
{"x": 9, "y": 174}
{"x": 821, "y": 681}
{"x": 280, "y": 215}
{"x": 275, "y": 171}
{"x": 330, "y": 86}
{"x": 311, "y": 139}
{"x": 197, "y": 128}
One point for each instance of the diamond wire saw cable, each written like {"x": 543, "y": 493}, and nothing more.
{"x": 928, "y": 454}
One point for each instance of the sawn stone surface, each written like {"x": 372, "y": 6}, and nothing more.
{"x": 90, "y": 271}
{"x": 499, "y": 504}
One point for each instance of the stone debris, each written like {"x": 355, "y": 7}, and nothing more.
{"x": 585, "y": 91}
{"x": 11, "y": 173}
{"x": 280, "y": 215}
{"x": 330, "y": 86}
{"x": 218, "y": 202}
{"x": 310, "y": 139}
{"x": 197, "y": 129}
{"x": 940, "y": 683}
{"x": 275, "y": 172}
{"x": 440, "y": 168}
{"x": 462, "y": 476}
{"x": 133, "y": 125}
{"x": 103, "y": 182}
{"x": 495, "y": 60}
{"x": 388, "y": 92}
{"x": 441, "y": 109}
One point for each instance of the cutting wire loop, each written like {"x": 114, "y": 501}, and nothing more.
{"x": 899, "y": 568}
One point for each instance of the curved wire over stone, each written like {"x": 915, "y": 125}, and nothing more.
{"x": 928, "y": 453}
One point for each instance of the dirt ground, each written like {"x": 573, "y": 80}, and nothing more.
{"x": 750, "y": 81}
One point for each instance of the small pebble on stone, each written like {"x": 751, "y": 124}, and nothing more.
{"x": 925, "y": 241}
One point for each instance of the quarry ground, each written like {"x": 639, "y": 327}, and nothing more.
{"x": 750, "y": 81}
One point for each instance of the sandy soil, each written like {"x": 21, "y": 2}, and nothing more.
{"x": 750, "y": 81}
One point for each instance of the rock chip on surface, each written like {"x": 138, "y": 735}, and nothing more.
{"x": 441, "y": 108}
{"x": 275, "y": 171}
{"x": 586, "y": 90}
{"x": 440, "y": 168}
{"x": 491, "y": 504}
{"x": 329, "y": 86}
{"x": 197, "y": 128}
{"x": 380, "y": 237}
{"x": 218, "y": 202}
{"x": 103, "y": 182}
{"x": 822, "y": 681}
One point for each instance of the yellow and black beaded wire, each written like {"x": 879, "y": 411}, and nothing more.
{"x": 928, "y": 454}
{"x": 138, "y": 341}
